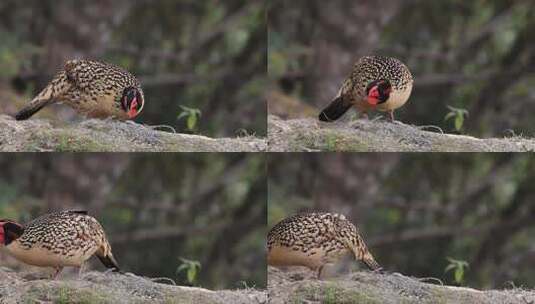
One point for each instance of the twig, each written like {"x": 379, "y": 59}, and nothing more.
{"x": 432, "y": 127}
{"x": 163, "y": 279}
{"x": 431, "y": 279}
{"x": 163, "y": 127}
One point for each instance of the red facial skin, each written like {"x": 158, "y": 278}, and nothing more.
{"x": 2, "y": 235}
{"x": 373, "y": 96}
{"x": 132, "y": 112}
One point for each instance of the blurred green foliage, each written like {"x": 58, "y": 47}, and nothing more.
{"x": 457, "y": 116}
{"x": 192, "y": 117}
{"x": 190, "y": 268}
{"x": 458, "y": 268}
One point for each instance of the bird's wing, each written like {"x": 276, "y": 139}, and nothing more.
{"x": 78, "y": 73}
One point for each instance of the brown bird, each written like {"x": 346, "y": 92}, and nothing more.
{"x": 376, "y": 83}
{"x": 92, "y": 88}
{"x": 66, "y": 238}
{"x": 316, "y": 239}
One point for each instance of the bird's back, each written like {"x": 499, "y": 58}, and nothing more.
{"x": 310, "y": 239}
{"x": 61, "y": 238}
{"x": 98, "y": 75}
{"x": 371, "y": 68}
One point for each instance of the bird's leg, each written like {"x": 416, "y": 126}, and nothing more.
{"x": 391, "y": 115}
{"x": 318, "y": 274}
{"x": 81, "y": 270}
{"x": 379, "y": 270}
{"x": 57, "y": 269}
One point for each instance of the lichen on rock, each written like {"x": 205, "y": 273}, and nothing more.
{"x": 309, "y": 134}
{"x": 108, "y": 135}
{"x": 100, "y": 287}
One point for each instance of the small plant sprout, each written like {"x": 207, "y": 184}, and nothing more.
{"x": 458, "y": 115}
{"x": 192, "y": 116}
{"x": 190, "y": 267}
{"x": 458, "y": 268}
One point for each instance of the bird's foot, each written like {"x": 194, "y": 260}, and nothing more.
{"x": 380, "y": 270}
{"x": 81, "y": 271}
{"x": 57, "y": 270}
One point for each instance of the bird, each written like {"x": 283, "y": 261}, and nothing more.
{"x": 58, "y": 239}
{"x": 92, "y": 88}
{"x": 375, "y": 83}
{"x": 315, "y": 239}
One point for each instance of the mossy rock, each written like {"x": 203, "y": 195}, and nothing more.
{"x": 309, "y": 134}
{"x": 95, "y": 135}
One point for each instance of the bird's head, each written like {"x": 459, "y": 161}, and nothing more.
{"x": 132, "y": 101}
{"x": 9, "y": 231}
{"x": 378, "y": 91}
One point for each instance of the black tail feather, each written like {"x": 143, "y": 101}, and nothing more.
{"x": 372, "y": 264}
{"x": 334, "y": 110}
{"x": 31, "y": 109}
{"x": 109, "y": 261}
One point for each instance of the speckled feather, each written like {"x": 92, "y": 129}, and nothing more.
{"x": 321, "y": 236}
{"x": 370, "y": 68}
{"x": 63, "y": 232}
{"x": 66, "y": 238}
{"x": 92, "y": 88}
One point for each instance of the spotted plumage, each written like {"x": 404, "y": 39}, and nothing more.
{"x": 316, "y": 239}
{"x": 92, "y": 88}
{"x": 375, "y": 83}
{"x": 66, "y": 238}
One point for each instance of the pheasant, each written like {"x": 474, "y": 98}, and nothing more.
{"x": 376, "y": 83}
{"x": 316, "y": 239}
{"x": 92, "y": 88}
{"x": 66, "y": 238}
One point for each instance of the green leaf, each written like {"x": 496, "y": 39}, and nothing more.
{"x": 192, "y": 121}
{"x": 459, "y": 120}
{"x": 182, "y": 115}
{"x": 459, "y": 274}
{"x": 450, "y": 267}
{"x": 192, "y": 273}
{"x": 181, "y": 268}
